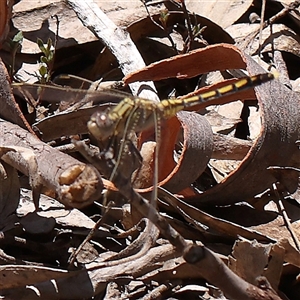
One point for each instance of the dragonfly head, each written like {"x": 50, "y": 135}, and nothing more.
{"x": 101, "y": 126}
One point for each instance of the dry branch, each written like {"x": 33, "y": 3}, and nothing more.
{"x": 117, "y": 40}
{"x": 76, "y": 184}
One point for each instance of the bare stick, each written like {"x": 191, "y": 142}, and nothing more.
{"x": 117, "y": 40}
{"x": 262, "y": 17}
{"x": 76, "y": 184}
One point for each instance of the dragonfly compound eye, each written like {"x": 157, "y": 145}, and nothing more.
{"x": 101, "y": 126}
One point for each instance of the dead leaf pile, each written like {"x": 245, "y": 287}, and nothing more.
{"x": 227, "y": 212}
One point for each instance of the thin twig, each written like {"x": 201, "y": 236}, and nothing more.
{"x": 262, "y": 17}
{"x": 91, "y": 234}
{"x": 189, "y": 27}
{"x": 283, "y": 212}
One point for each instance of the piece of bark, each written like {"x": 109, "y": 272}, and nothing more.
{"x": 226, "y": 147}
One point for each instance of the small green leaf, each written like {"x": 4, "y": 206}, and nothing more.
{"x": 163, "y": 18}
{"x": 44, "y": 59}
{"x": 50, "y": 56}
{"x": 43, "y": 70}
{"x": 41, "y": 45}
{"x": 18, "y": 38}
{"x": 49, "y": 44}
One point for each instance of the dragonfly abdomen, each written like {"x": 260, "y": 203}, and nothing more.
{"x": 169, "y": 108}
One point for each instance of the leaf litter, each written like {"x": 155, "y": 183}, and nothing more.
{"x": 237, "y": 217}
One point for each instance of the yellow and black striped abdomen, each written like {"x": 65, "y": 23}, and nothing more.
{"x": 172, "y": 106}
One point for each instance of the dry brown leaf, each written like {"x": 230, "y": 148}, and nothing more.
{"x": 224, "y": 13}
{"x": 211, "y": 58}
{"x": 65, "y": 124}
{"x": 197, "y": 142}
{"x": 252, "y": 259}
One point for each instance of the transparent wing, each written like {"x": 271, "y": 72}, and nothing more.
{"x": 57, "y": 94}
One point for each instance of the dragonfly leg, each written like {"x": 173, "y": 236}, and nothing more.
{"x": 128, "y": 161}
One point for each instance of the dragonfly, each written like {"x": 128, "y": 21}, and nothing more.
{"x": 134, "y": 114}
{"x": 137, "y": 114}
{"x": 140, "y": 114}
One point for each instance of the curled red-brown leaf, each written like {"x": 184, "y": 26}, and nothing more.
{"x": 5, "y": 14}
